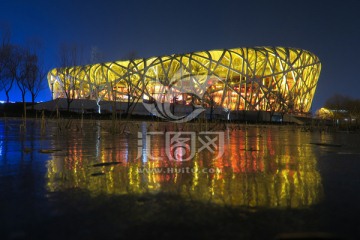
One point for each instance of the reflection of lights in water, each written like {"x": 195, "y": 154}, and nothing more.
{"x": 1, "y": 137}
{"x": 266, "y": 168}
{"x": 97, "y": 140}
{"x": 144, "y": 150}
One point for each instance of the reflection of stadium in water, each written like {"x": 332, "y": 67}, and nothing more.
{"x": 267, "y": 167}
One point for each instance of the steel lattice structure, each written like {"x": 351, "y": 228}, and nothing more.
{"x": 259, "y": 78}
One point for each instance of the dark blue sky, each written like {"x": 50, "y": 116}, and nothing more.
{"x": 331, "y": 30}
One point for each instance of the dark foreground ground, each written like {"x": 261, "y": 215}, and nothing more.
{"x": 76, "y": 215}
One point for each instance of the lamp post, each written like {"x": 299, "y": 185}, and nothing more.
{"x": 52, "y": 90}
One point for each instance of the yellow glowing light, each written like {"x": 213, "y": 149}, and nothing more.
{"x": 248, "y": 78}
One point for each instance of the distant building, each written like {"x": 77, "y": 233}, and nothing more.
{"x": 338, "y": 116}
{"x": 272, "y": 79}
{"x": 324, "y": 113}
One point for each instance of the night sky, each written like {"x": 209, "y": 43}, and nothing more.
{"x": 331, "y": 30}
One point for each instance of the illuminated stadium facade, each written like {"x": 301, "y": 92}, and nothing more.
{"x": 271, "y": 79}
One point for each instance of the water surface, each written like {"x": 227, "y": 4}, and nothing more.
{"x": 264, "y": 168}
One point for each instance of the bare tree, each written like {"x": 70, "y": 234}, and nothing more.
{"x": 344, "y": 106}
{"x": 34, "y": 73}
{"x": 26, "y": 68}
{"x": 134, "y": 89}
{"x": 34, "y": 81}
{"x": 6, "y": 81}
{"x": 272, "y": 103}
{"x": 285, "y": 104}
{"x": 337, "y": 102}
{"x": 95, "y": 86}
{"x": 69, "y": 57}
{"x": 208, "y": 100}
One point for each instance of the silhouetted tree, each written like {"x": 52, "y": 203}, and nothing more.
{"x": 135, "y": 89}
{"x": 272, "y": 103}
{"x": 34, "y": 80}
{"x": 342, "y": 106}
{"x": 70, "y": 56}
{"x": 285, "y": 104}
{"x": 5, "y": 84}
{"x": 337, "y": 102}
{"x": 27, "y": 68}
{"x": 6, "y": 81}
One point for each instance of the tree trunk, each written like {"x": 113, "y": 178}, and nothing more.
{"x": 32, "y": 101}
{"x": 23, "y": 97}
{"x": 8, "y": 90}
{"x": 7, "y": 96}
{"x": 68, "y": 106}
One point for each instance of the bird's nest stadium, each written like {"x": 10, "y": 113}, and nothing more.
{"x": 276, "y": 79}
